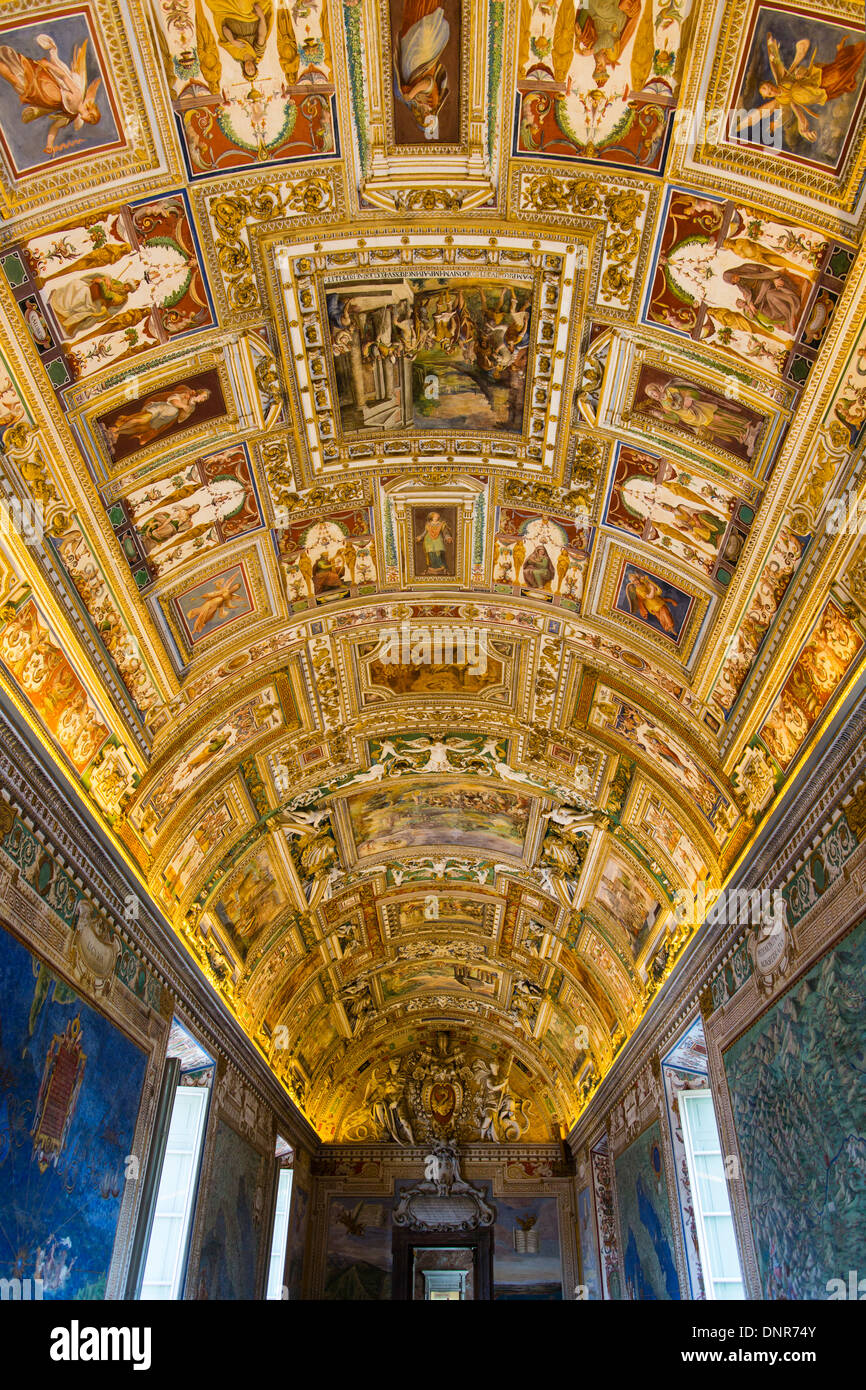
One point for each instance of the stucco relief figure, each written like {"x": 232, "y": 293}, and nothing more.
{"x": 498, "y": 1114}
{"x": 386, "y": 1100}
{"x": 421, "y": 78}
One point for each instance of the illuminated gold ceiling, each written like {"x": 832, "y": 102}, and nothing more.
{"x": 439, "y": 420}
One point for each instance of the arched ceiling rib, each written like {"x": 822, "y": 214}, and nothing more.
{"x": 425, "y": 436}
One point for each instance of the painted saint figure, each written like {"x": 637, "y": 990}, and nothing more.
{"x": 156, "y": 414}
{"x": 769, "y": 293}
{"x": 681, "y": 402}
{"x": 242, "y": 28}
{"x": 797, "y": 90}
{"x": 51, "y": 88}
{"x": 646, "y": 598}
{"x": 422, "y": 82}
{"x": 435, "y": 537}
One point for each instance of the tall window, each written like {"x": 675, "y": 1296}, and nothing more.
{"x": 281, "y": 1234}
{"x": 166, "y": 1251}
{"x": 715, "y": 1225}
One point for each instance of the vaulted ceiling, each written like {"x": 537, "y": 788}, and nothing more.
{"x": 427, "y": 430}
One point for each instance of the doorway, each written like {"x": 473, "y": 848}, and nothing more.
{"x": 445, "y": 1267}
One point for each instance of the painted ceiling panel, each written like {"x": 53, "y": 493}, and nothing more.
{"x": 432, "y": 443}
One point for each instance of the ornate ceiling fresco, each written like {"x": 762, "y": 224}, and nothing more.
{"x": 426, "y": 427}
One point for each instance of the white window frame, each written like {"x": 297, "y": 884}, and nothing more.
{"x": 280, "y": 1236}
{"x": 180, "y": 1238}
{"x": 687, "y": 1100}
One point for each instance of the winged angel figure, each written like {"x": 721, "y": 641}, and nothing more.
{"x": 51, "y": 88}
{"x": 802, "y": 88}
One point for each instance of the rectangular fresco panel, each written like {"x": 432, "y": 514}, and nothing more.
{"x": 430, "y": 354}
{"x": 645, "y": 1220}
{"x": 31, "y": 654}
{"x": 661, "y": 747}
{"x": 731, "y": 277}
{"x": 70, "y": 1085}
{"x": 598, "y": 79}
{"x": 434, "y": 537}
{"x": 426, "y": 43}
{"x": 698, "y": 412}
{"x": 250, "y": 900}
{"x": 196, "y": 508}
{"x": 802, "y": 81}
{"x": 589, "y": 1268}
{"x": 250, "y": 83}
{"x": 461, "y": 814}
{"x": 232, "y": 1217}
{"x": 56, "y": 100}
{"x": 678, "y": 512}
{"x": 331, "y": 557}
{"x": 628, "y": 901}
{"x": 545, "y": 554}
{"x": 109, "y": 287}
{"x": 214, "y": 603}
{"x": 161, "y": 414}
{"x": 359, "y": 1249}
{"x": 799, "y": 1107}
{"x": 818, "y": 671}
{"x": 527, "y": 1264}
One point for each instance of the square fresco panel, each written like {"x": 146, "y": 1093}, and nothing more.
{"x": 645, "y": 1220}
{"x": 70, "y": 1086}
{"x": 547, "y": 555}
{"x": 661, "y": 606}
{"x": 229, "y": 1249}
{"x": 359, "y": 1249}
{"x": 429, "y": 814}
{"x": 433, "y": 354}
{"x": 802, "y": 82}
{"x": 214, "y": 603}
{"x": 799, "y": 1107}
{"x": 56, "y": 100}
{"x": 527, "y": 1264}
{"x": 426, "y": 40}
